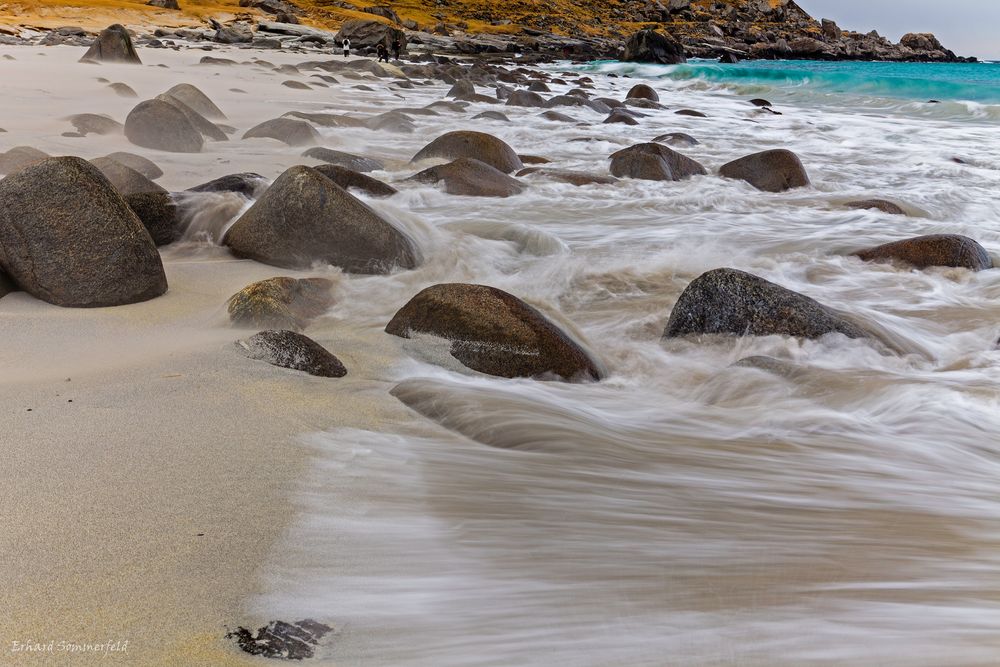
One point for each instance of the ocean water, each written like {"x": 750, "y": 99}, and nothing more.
{"x": 841, "y": 509}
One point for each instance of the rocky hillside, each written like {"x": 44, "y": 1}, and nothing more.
{"x": 733, "y": 29}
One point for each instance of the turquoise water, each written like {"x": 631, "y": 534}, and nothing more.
{"x": 966, "y": 82}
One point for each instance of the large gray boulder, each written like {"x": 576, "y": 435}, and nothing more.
{"x": 305, "y": 218}
{"x": 652, "y": 46}
{"x": 340, "y": 158}
{"x": 654, "y": 162}
{"x": 736, "y": 303}
{"x": 771, "y": 171}
{"x": 19, "y": 157}
{"x": 286, "y": 130}
{"x": 114, "y": 44}
{"x": 196, "y": 100}
{"x": 494, "y": 332}
{"x": 477, "y": 145}
{"x": 67, "y": 237}
{"x": 160, "y": 125}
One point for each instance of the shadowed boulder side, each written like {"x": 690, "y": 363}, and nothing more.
{"x": 654, "y": 162}
{"x": 951, "y": 250}
{"x": 736, "y": 303}
{"x": 306, "y": 218}
{"x": 114, "y": 44}
{"x": 68, "y": 237}
{"x": 494, "y": 332}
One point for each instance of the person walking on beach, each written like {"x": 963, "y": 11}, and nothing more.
{"x": 347, "y": 48}
{"x": 396, "y": 48}
{"x": 382, "y": 52}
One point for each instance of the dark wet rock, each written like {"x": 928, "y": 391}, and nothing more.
{"x": 771, "y": 171}
{"x": 577, "y": 178}
{"x": 234, "y": 33}
{"x": 462, "y": 88}
{"x": 729, "y": 58}
{"x": 879, "y": 204}
{"x": 758, "y": 102}
{"x": 248, "y": 184}
{"x": 196, "y": 100}
{"x": 126, "y": 180}
{"x": 19, "y": 157}
{"x": 392, "y": 121}
{"x": 277, "y": 639}
{"x": 539, "y": 87}
{"x": 651, "y": 46}
{"x": 932, "y": 250}
{"x": 289, "y": 349}
{"x": 472, "y": 178}
{"x": 280, "y": 303}
{"x": 368, "y": 34}
{"x": 557, "y": 117}
{"x": 644, "y": 92}
{"x": 122, "y": 90}
{"x": 350, "y": 179}
{"x": 286, "y": 130}
{"x": 144, "y": 166}
{"x": 731, "y": 302}
{"x": 690, "y": 112}
{"x": 306, "y": 218}
{"x": 494, "y": 332}
{"x": 621, "y": 116}
{"x": 676, "y": 139}
{"x": 157, "y": 124}
{"x": 477, "y": 145}
{"x": 159, "y": 215}
{"x": 7, "y": 285}
{"x": 67, "y": 237}
{"x": 114, "y": 44}
{"x": 348, "y": 160}
{"x": 491, "y": 115}
{"x": 525, "y": 98}
{"x": 654, "y": 162}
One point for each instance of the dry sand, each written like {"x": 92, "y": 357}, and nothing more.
{"x": 147, "y": 463}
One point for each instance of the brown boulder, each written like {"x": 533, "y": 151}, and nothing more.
{"x": 289, "y": 349}
{"x": 471, "y": 178}
{"x": 280, "y": 303}
{"x": 879, "y": 204}
{"x": 286, "y": 130}
{"x": 494, "y": 332}
{"x": 477, "y": 145}
{"x": 771, "y": 171}
{"x": 347, "y": 179}
{"x": 932, "y": 250}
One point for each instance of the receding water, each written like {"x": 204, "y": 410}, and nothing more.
{"x": 842, "y": 508}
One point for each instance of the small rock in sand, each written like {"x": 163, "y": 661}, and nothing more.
{"x": 286, "y": 130}
{"x": 122, "y": 90}
{"x": 348, "y": 179}
{"x": 248, "y": 184}
{"x": 92, "y": 123}
{"x": 289, "y": 349}
{"x": 471, "y": 178}
{"x": 879, "y": 204}
{"x": 933, "y": 250}
{"x": 771, "y": 171}
{"x": 280, "y": 303}
{"x": 354, "y": 162}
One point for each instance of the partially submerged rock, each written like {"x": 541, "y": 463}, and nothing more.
{"x": 287, "y": 130}
{"x": 933, "y": 250}
{"x": 577, "y": 178}
{"x": 289, "y": 349}
{"x": 477, "y": 145}
{"x": 879, "y": 204}
{"x": 771, "y": 171}
{"x": 306, "y": 218}
{"x": 277, "y": 639}
{"x": 472, "y": 178}
{"x": 157, "y": 124}
{"x": 348, "y": 178}
{"x": 654, "y": 162}
{"x": 114, "y": 44}
{"x": 736, "y": 303}
{"x": 494, "y": 332}
{"x": 348, "y": 160}
{"x": 280, "y": 303}
{"x": 67, "y": 237}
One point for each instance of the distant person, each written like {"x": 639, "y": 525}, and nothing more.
{"x": 347, "y": 48}
{"x": 396, "y": 48}
{"x": 382, "y": 52}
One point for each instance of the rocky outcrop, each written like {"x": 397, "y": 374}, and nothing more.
{"x": 877, "y": 204}
{"x": 933, "y": 250}
{"x": 471, "y": 178}
{"x": 494, "y": 332}
{"x": 280, "y": 303}
{"x": 735, "y": 303}
{"x": 368, "y": 34}
{"x": 114, "y": 44}
{"x": 289, "y": 349}
{"x": 305, "y": 218}
{"x": 771, "y": 171}
{"x": 247, "y": 183}
{"x": 477, "y": 145}
{"x": 67, "y": 237}
{"x": 653, "y": 46}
